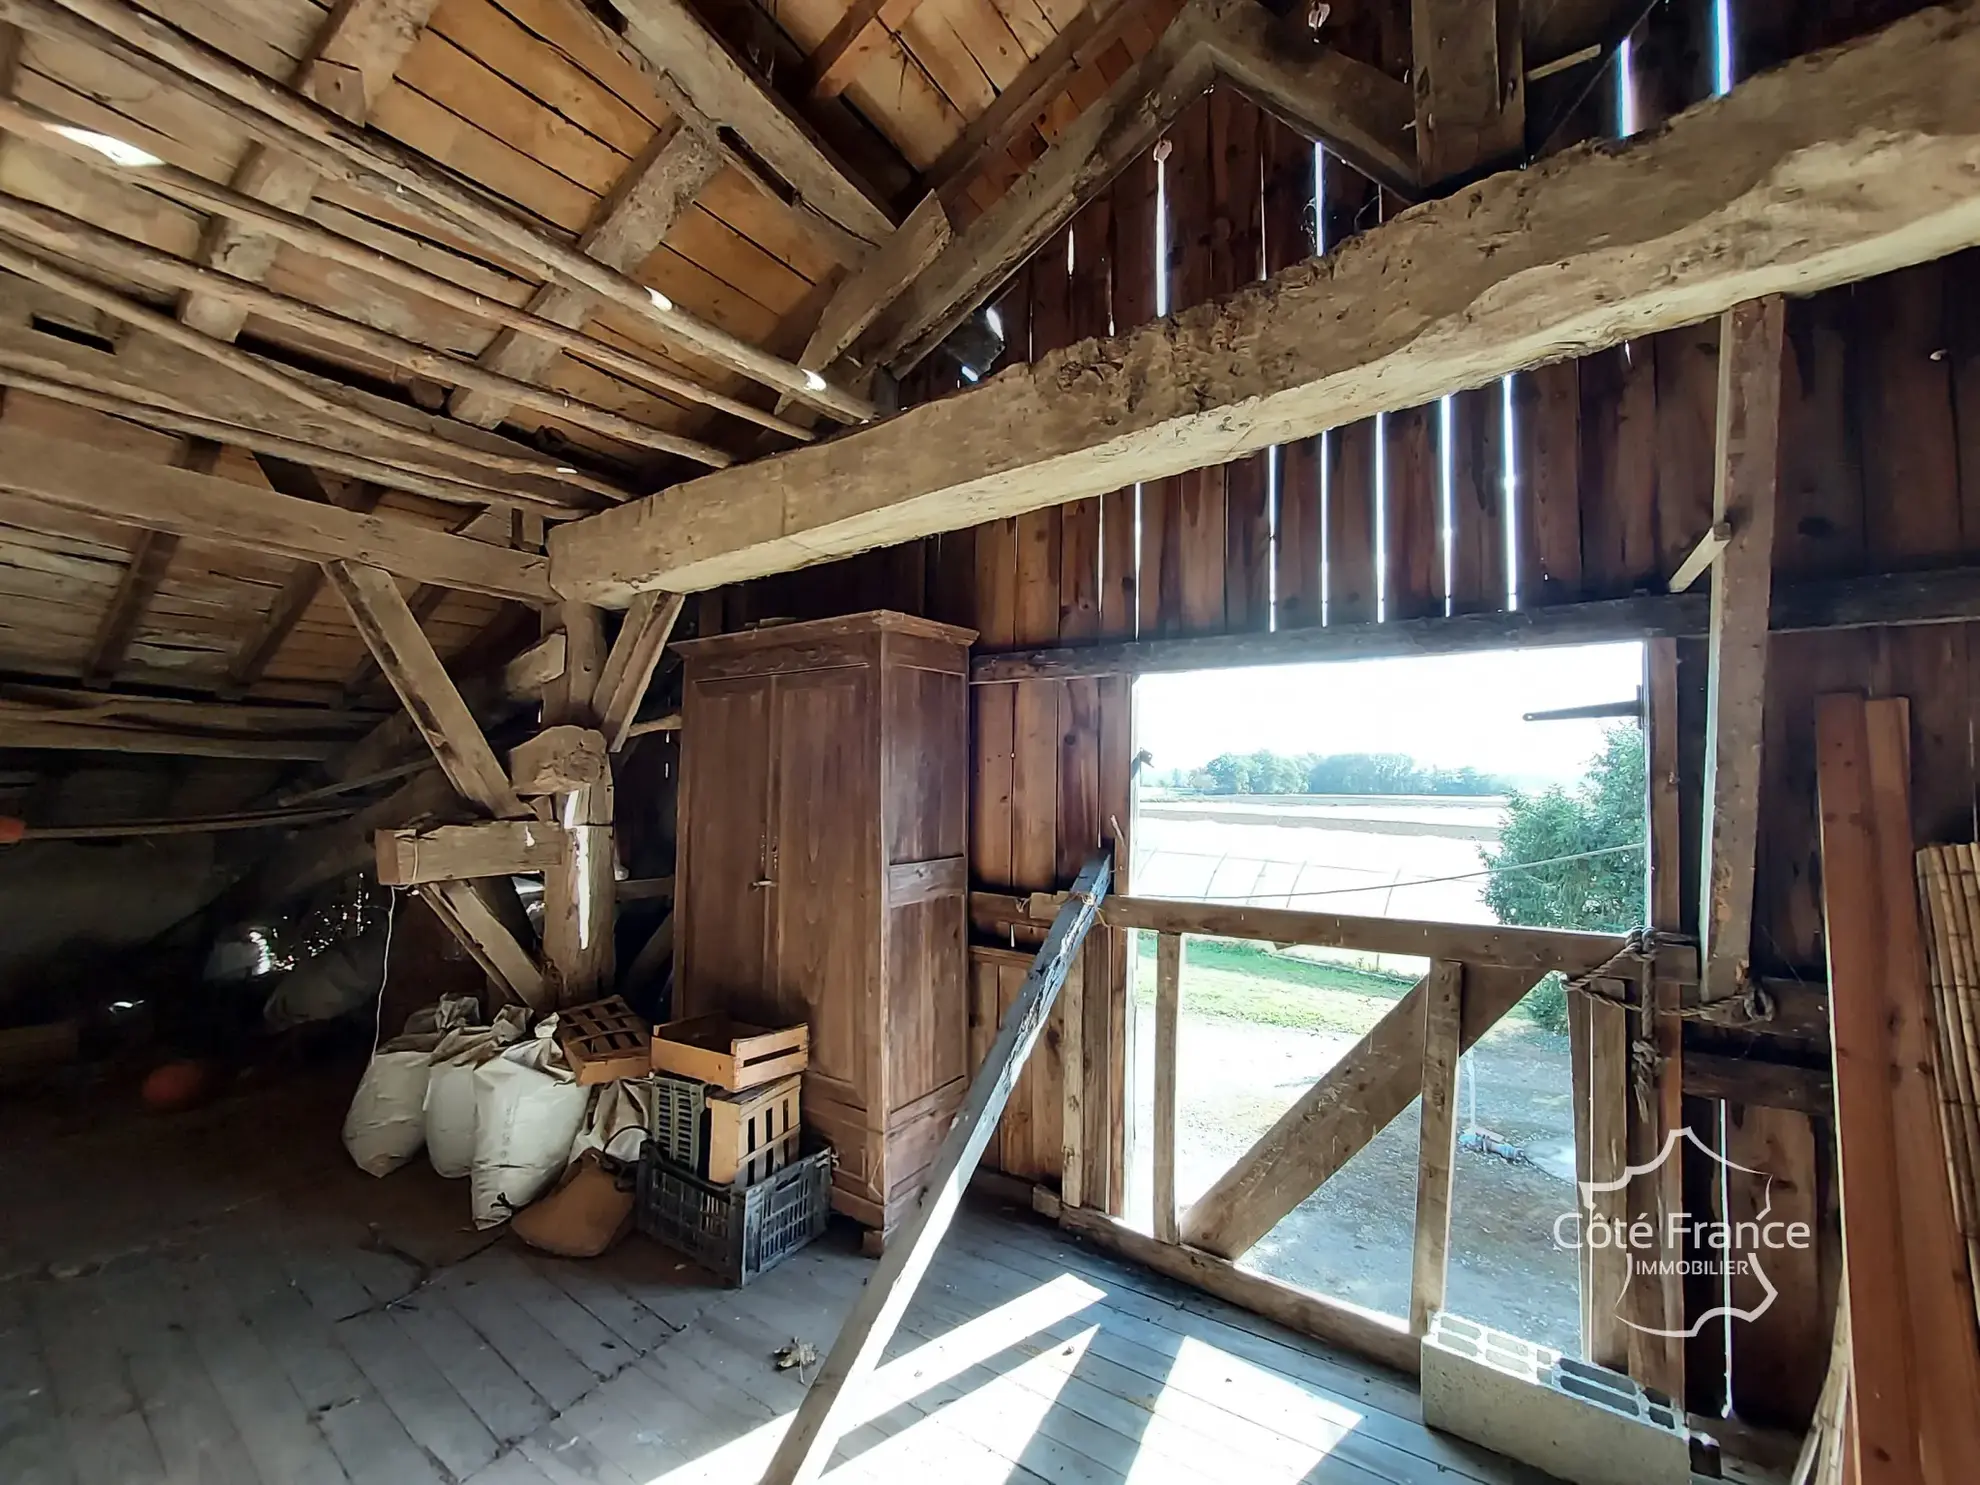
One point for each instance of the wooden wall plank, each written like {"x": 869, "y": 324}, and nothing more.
{"x": 1289, "y": 228}
{"x": 1912, "y": 482}
{"x": 1619, "y": 549}
{"x": 1349, "y": 553}
{"x": 1546, "y": 423}
{"x": 1197, "y": 528}
{"x": 1411, "y": 500}
{"x": 1237, "y": 257}
{"x": 1478, "y": 551}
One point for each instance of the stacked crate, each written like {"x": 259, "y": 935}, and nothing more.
{"x": 723, "y": 1179}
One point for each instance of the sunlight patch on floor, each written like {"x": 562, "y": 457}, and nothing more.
{"x": 899, "y": 1382}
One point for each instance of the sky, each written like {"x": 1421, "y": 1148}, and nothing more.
{"x": 1447, "y": 710}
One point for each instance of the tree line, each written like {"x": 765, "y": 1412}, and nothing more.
{"x": 1265, "y": 772}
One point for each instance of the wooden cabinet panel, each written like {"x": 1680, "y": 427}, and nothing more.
{"x": 724, "y": 849}
{"x": 826, "y": 867}
{"x": 823, "y": 867}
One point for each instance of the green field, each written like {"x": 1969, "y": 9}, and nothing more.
{"x": 1240, "y": 980}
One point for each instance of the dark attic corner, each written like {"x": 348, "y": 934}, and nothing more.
{"x": 1065, "y": 741}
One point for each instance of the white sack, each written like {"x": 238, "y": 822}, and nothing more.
{"x": 450, "y": 1092}
{"x": 527, "y": 1110}
{"x": 617, "y": 1122}
{"x": 386, "y": 1124}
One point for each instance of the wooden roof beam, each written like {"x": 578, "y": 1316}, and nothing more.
{"x": 433, "y": 702}
{"x": 1836, "y": 167}
{"x": 1470, "y": 82}
{"x": 151, "y": 558}
{"x": 57, "y": 475}
{"x": 1017, "y": 107}
{"x": 276, "y": 116}
{"x": 859, "y": 37}
{"x": 1360, "y": 113}
{"x": 350, "y": 62}
{"x": 723, "y": 87}
{"x": 655, "y": 192}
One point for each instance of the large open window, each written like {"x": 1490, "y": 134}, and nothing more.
{"x": 1450, "y": 789}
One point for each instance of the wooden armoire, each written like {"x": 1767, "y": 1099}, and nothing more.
{"x": 823, "y": 877}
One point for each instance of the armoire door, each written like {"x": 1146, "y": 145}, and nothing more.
{"x": 725, "y": 849}
{"x": 825, "y": 923}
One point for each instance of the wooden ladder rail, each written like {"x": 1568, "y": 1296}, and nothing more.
{"x": 807, "y": 1446}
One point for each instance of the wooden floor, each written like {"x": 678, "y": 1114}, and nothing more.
{"x": 220, "y": 1297}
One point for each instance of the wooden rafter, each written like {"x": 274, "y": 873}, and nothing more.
{"x": 298, "y": 389}
{"x": 55, "y": 231}
{"x": 1751, "y": 342}
{"x": 987, "y": 136}
{"x": 304, "y": 233}
{"x": 630, "y": 664}
{"x": 466, "y": 911}
{"x": 351, "y": 61}
{"x": 431, "y": 700}
{"x": 1361, "y": 113}
{"x": 54, "y": 475}
{"x": 656, "y": 190}
{"x": 292, "y": 600}
{"x": 860, "y": 35}
{"x": 275, "y": 116}
{"x": 1587, "y": 249}
{"x": 1470, "y": 79}
{"x": 722, "y": 86}
{"x": 151, "y": 558}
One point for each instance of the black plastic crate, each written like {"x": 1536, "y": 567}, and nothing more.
{"x": 737, "y": 1233}
{"x": 678, "y": 1119}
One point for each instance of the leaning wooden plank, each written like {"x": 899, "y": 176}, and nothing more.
{"x": 630, "y": 663}
{"x": 471, "y": 919}
{"x": 406, "y": 657}
{"x": 1874, "y": 144}
{"x": 455, "y": 853}
{"x": 1743, "y": 488}
{"x": 1911, "y": 1339}
{"x": 139, "y": 492}
{"x": 1443, "y": 1017}
{"x": 802, "y": 1454}
{"x": 1355, "y": 1100}
{"x": 864, "y": 294}
{"x": 350, "y": 62}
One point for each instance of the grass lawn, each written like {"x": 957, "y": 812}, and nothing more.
{"x": 1240, "y": 980}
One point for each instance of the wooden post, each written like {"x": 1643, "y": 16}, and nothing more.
{"x": 1658, "y": 1360}
{"x": 1072, "y": 1085}
{"x": 1470, "y": 85}
{"x": 1168, "y": 1010}
{"x": 1743, "y": 489}
{"x": 1443, "y": 1021}
{"x": 1915, "y": 1369}
{"x": 807, "y": 1446}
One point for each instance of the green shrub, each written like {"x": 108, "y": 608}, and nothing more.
{"x": 1546, "y": 1004}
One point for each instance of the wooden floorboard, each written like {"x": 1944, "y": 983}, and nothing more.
{"x": 231, "y": 1317}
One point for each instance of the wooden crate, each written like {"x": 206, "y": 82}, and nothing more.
{"x": 728, "y": 1053}
{"x": 604, "y": 1040}
{"x": 753, "y": 1134}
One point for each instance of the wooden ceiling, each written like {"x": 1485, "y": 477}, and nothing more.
{"x": 182, "y": 292}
